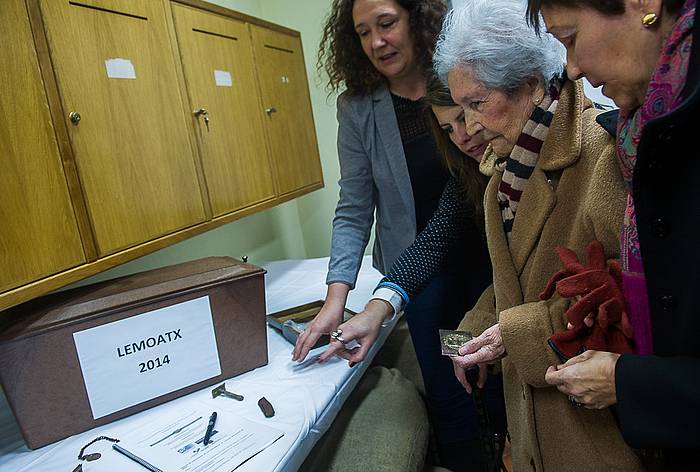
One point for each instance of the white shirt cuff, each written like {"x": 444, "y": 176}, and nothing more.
{"x": 393, "y": 298}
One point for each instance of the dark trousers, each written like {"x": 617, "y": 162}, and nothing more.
{"x": 442, "y": 305}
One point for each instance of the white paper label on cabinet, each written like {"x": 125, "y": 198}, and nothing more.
{"x": 133, "y": 360}
{"x": 223, "y": 78}
{"x": 119, "y": 68}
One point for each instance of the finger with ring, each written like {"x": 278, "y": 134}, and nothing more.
{"x": 338, "y": 338}
{"x": 336, "y": 334}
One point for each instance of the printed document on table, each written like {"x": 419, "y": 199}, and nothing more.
{"x": 176, "y": 442}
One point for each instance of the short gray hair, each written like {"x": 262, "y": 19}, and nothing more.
{"x": 493, "y": 39}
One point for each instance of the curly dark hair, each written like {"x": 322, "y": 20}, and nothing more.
{"x": 463, "y": 168}
{"x": 341, "y": 56}
{"x": 607, "y": 7}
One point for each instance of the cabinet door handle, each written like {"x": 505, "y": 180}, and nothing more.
{"x": 202, "y": 112}
{"x": 74, "y": 117}
{"x": 270, "y": 110}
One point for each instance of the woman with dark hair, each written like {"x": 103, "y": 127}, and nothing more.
{"x": 645, "y": 55}
{"x": 351, "y": 63}
{"x": 380, "y": 51}
{"x": 454, "y": 143}
{"x": 456, "y": 228}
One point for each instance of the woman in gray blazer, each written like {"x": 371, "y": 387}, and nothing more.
{"x": 380, "y": 51}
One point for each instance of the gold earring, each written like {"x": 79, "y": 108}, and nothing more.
{"x": 649, "y": 19}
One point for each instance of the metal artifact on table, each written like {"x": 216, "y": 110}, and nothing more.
{"x": 266, "y": 407}
{"x": 221, "y": 391}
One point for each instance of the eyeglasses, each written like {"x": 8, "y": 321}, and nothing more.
{"x": 93, "y": 456}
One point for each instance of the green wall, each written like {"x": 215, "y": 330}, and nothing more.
{"x": 315, "y": 210}
{"x": 294, "y": 230}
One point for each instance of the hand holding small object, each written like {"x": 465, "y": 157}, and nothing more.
{"x": 356, "y": 336}
{"x": 484, "y": 349}
{"x": 587, "y": 379}
{"x": 327, "y": 320}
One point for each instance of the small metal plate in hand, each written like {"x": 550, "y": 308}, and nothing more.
{"x": 451, "y": 341}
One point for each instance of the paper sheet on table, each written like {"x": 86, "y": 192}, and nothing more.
{"x": 175, "y": 443}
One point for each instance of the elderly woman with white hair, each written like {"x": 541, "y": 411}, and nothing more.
{"x": 555, "y": 183}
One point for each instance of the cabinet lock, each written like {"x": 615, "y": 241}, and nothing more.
{"x": 202, "y": 112}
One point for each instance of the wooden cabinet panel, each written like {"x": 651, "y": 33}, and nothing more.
{"x": 218, "y": 65}
{"x": 133, "y": 171}
{"x": 115, "y": 67}
{"x": 38, "y": 230}
{"x": 290, "y": 127}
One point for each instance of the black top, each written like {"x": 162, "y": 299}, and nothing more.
{"x": 659, "y": 396}
{"x": 427, "y": 173}
{"x": 451, "y": 240}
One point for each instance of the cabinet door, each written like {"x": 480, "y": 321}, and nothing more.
{"x": 38, "y": 230}
{"x": 218, "y": 64}
{"x": 289, "y": 120}
{"x": 115, "y": 68}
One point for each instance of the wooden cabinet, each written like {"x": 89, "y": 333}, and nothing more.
{"x": 218, "y": 67}
{"x": 115, "y": 68}
{"x": 130, "y": 125}
{"x": 285, "y": 96}
{"x": 38, "y": 229}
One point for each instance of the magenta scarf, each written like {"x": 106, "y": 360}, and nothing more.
{"x": 663, "y": 96}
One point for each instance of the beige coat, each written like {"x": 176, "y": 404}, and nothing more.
{"x": 547, "y": 432}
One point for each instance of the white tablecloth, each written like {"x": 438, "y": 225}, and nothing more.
{"x": 306, "y": 396}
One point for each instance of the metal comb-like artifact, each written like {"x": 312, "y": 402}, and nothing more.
{"x": 221, "y": 391}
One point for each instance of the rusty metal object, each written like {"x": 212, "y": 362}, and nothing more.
{"x": 266, "y": 407}
{"x": 221, "y": 391}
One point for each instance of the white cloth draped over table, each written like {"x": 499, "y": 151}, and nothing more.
{"x": 306, "y": 397}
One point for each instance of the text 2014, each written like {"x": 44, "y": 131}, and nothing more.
{"x": 154, "y": 363}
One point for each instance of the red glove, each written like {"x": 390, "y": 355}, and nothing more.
{"x": 599, "y": 285}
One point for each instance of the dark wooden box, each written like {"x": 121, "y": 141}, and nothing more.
{"x": 39, "y": 367}
{"x": 292, "y": 321}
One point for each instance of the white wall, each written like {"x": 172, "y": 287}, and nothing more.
{"x": 596, "y": 94}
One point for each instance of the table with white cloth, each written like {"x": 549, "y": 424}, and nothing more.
{"x": 306, "y": 397}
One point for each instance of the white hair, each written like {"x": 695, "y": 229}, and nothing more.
{"x": 492, "y": 39}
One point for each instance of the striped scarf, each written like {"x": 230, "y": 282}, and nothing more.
{"x": 518, "y": 167}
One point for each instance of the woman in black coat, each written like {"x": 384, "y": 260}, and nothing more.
{"x": 646, "y": 56}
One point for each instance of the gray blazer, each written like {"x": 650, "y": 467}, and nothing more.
{"x": 373, "y": 176}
